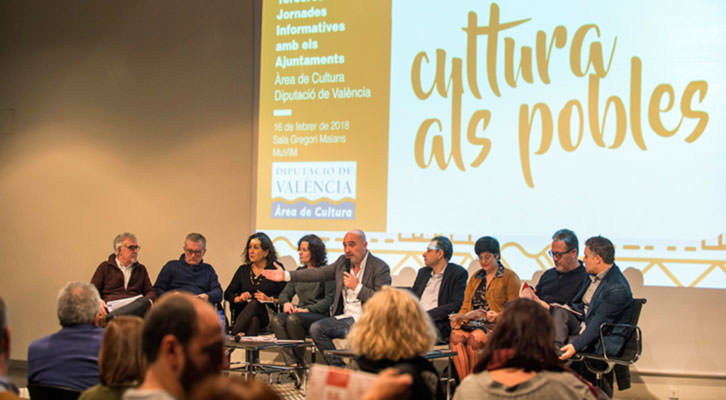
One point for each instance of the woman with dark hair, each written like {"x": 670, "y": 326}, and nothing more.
{"x": 120, "y": 363}
{"x": 519, "y": 360}
{"x": 314, "y": 299}
{"x": 484, "y": 298}
{"x": 249, "y": 290}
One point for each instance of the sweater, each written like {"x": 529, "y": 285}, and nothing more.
{"x": 544, "y": 385}
{"x": 317, "y": 297}
{"x": 109, "y": 280}
{"x": 195, "y": 279}
{"x": 558, "y": 287}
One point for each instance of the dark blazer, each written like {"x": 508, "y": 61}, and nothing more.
{"x": 612, "y": 302}
{"x": 451, "y": 292}
{"x": 375, "y": 276}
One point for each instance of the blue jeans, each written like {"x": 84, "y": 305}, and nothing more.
{"x": 324, "y": 331}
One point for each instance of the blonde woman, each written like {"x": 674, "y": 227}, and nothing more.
{"x": 395, "y": 331}
{"x": 120, "y": 362}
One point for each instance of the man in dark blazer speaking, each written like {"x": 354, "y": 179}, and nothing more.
{"x": 358, "y": 274}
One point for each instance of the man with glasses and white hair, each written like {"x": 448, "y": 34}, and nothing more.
{"x": 560, "y": 284}
{"x": 69, "y": 357}
{"x": 190, "y": 273}
{"x": 123, "y": 277}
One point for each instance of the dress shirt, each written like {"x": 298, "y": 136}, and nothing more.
{"x": 594, "y": 283}
{"x": 352, "y": 306}
{"x": 430, "y": 295}
{"x": 126, "y": 271}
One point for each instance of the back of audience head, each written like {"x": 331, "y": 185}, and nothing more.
{"x": 183, "y": 320}
{"x": 523, "y": 338}
{"x": 120, "y": 362}
{"x": 78, "y": 303}
{"x": 232, "y": 388}
{"x": 393, "y": 326}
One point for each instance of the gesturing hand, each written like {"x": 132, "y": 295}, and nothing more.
{"x": 275, "y": 275}
{"x": 349, "y": 280}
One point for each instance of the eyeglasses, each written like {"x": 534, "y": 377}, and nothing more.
{"x": 555, "y": 254}
{"x": 193, "y": 252}
{"x": 431, "y": 249}
{"x": 133, "y": 247}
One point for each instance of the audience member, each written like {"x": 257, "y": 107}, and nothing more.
{"x": 486, "y": 293}
{"x": 190, "y": 273}
{"x": 440, "y": 284}
{"x": 314, "y": 299}
{"x": 519, "y": 361}
{"x": 358, "y": 275}
{"x": 395, "y": 331}
{"x": 249, "y": 292}
{"x": 559, "y": 285}
{"x": 8, "y": 390}
{"x": 182, "y": 342}
{"x": 120, "y": 362}
{"x": 69, "y": 357}
{"x": 233, "y": 388}
{"x": 122, "y": 276}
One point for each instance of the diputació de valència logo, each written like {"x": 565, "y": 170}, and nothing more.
{"x": 313, "y": 190}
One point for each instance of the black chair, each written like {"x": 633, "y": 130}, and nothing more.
{"x": 631, "y": 351}
{"x": 50, "y": 392}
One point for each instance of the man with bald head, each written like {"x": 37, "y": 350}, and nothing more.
{"x": 358, "y": 275}
{"x": 182, "y": 342}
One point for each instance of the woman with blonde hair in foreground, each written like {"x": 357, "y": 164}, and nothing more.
{"x": 519, "y": 361}
{"x": 120, "y": 362}
{"x": 395, "y": 331}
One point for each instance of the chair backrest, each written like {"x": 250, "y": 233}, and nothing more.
{"x": 633, "y": 346}
{"x": 49, "y": 392}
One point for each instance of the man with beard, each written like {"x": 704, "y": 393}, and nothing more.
{"x": 183, "y": 343}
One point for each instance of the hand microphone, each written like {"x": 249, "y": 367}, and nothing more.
{"x": 347, "y": 265}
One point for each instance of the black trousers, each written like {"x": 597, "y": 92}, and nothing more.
{"x": 294, "y": 326}
{"x": 250, "y": 318}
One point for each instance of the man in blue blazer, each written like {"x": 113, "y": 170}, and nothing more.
{"x": 440, "y": 284}
{"x": 69, "y": 357}
{"x": 603, "y": 297}
{"x": 358, "y": 275}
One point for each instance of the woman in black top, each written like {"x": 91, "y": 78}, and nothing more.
{"x": 249, "y": 291}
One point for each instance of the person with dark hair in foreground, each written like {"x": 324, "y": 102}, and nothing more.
{"x": 183, "y": 343}
{"x": 520, "y": 362}
{"x": 314, "y": 300}
{"x": 486, "y": 293}
{"x": 69, "y": 357}
{"x": 395, "y": 331}
{"x": 120, "y": 362}
{"x": 8, "y": 390}
{"x": 249, "y": 292}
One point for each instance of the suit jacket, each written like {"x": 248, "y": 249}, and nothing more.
{"x": 612, "y": 302}
{"x": 375, "y": 276}
{"x": 451, "y": 292}
{"x": 67, "y": 358}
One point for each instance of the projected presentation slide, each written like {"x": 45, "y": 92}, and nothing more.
{"x": 410, "y": 119}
